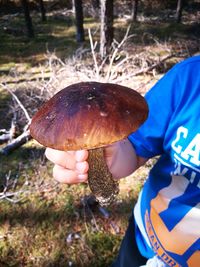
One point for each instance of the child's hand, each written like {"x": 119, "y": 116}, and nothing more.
{"x": 70, "y": 167}
{"x": 121, "y": 158}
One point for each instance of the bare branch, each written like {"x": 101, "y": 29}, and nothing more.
{"x": 145, "y": 70}
{"x": 93, "y": 55}
{"x": 18, "y": 102}
{"x": 7, "y": 135}
{"x": 119, "y": 45}
{"x": 15, "y": 143}
{"x": 5, "y": 194}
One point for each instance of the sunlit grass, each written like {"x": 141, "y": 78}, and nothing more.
{"x": 59, "y": 35}
{"x": 35, "y": 231}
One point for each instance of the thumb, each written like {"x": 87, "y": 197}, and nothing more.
{"x": 111, "y": 154}
{"x": 120, "y": 158}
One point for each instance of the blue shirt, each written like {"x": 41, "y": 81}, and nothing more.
{"x": 170, "y": 200}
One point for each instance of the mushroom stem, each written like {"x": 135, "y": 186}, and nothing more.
{"x": 100, "y": 180}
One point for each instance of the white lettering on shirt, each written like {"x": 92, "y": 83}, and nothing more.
{"x": 190, "y": 153}
{"x": 182, "y": 132}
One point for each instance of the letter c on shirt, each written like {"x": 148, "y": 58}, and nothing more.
{"x": 182, "y": 132}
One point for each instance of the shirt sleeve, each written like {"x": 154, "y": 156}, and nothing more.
{"x": 161, "y": 99}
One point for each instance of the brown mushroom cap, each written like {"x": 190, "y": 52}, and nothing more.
{"x": 88, "y": 115}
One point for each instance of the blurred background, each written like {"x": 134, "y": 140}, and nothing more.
{"x": 46, "y": 45}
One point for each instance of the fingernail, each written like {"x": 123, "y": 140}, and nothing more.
{"x": 81, "y": 177}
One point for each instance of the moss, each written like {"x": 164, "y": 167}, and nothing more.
{"x": 105, "y": 248}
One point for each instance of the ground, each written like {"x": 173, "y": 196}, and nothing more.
{"x": 44, "y": 223}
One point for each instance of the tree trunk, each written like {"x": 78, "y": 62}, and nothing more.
{"x": 80, "y": 36}
{"x": 95, "y": 4}
{"x": 95, "y": 7}
{"x": 107, "y": 30}
{"x": 134, "y": 10}
{"x": 42, "y": 10}
{"x": 179, "y": 10}
{"x": 28, "y": 19}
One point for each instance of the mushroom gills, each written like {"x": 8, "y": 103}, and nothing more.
{"x": 100, "y": 180}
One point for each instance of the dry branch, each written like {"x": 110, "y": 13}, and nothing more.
{"x": 153, "y": 66}
{"x": 147, "y": 69}
{"x": 15, "y": 143}
{"x": 94, "y": 55}
{"x": 22, "y": 138}
{"x": 13, "y": 194}
{"x": 18, "y": 102}
{"x": 116, "y": 51}
{"x": 5, "y": 135}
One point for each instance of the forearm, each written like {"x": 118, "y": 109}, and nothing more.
{"x": 122, "y": 159}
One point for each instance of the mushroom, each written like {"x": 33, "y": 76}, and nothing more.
{"x": 90, "y": 115}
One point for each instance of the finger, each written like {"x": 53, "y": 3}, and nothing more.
{"x": 63, "y": 158}
{"x": 66, "y": 176}
{"x": 82, "y": 167}
{"x": 81, "y": 155}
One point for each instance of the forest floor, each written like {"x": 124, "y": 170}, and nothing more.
{"x": 42, "y": 223}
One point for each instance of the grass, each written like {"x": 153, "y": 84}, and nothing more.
{"x": 49, "y": 226}
{"x": 58, "y": 34}
{"x": 54, "y": 35}
{"x": 36, "y": 231}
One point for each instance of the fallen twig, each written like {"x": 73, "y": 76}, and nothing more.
{"x": 7, "y": 135}
{"x": 15, "y": 143}
{"x": 146, "y": 70}
{"x": 14, "y": 194}
{"x": 22, "y": 138}
{"x": 6, "y": 194}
